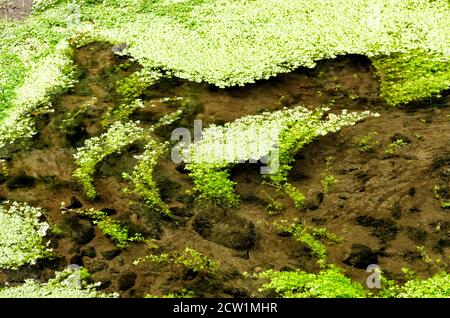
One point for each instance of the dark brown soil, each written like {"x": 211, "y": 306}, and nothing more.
{"x": 386, "y": 203}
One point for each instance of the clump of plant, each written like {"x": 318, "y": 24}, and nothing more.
{"x": 328, "y": 283}
{"x": 437, "y": 286}
{"x": 441, "y": 193}
{"x": 65, "y": 284}
{"x": 296, "y": 196}
{"x": 393, "y": 147}
{"x": 332, "y": 283}
{"x": 366, "y": 143}
{"x": 132, "y": 87}
{"x": 308, "y": 236}
{"x": 22, "y": 235}
{"x": 120, "y": 113}
{"x": 34, "y": 88}
{"x": 328, "y": 180}
{"x": 437, "y": 264}
{"x": 70, "y": 119}
{"x": 142, "y": 175}
{"x": 118, "y": 136}
{"x": 113, "y": 229}
{"x": 412, "y": 75}
{"x": 273, "y": 138}
{"x": 189, "y": 258}
{"x": 212, "y": 185}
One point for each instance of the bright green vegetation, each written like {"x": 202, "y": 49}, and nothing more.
{"x": 297, "y": 130}
{"x": 328, "y": 180}
{"x": 28, "y": 91}
{"x": 64, "y": 285}
{"x": 412, "y": 76}
{"x": 22, "y": 235}
{"x": 118, "y": 233}
{"x": 366, "y": 143}
{"x": 310, "y": 237}
{"x": 120, "y": 113}
{"x": 297, "y": 197}
{"x": 224, "y": 43}
{"x": 130, "y": 88}
{"x": 437, "y": 286}
{"x": 117, "y": 137}
{"x": 112, "y": 228}
{"x": 329, "y": 283}
{"x": 142, "y": 175}
{"x": 332, "y": 283}
{"x": 70, "y": 119}
{"x": 238, "y": 38}
{"x": 277, "y": 136}
{"x": 213, "y": 186}
{"x": 393, "y": 147}
{"x": 189, "y": 258}
{"x": 274, "y": 207}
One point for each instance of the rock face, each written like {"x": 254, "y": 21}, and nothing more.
{"x": 126, "y": 281}
{"x": 361, "y": 256}
{"x": 20, "y": 181}
{"x": 225, "y": 228}
{"x": 111, "y": 254}
{"x": 315, "y": 201}
{"x": 89, "y": 252}
{"x": 74, "y": 203}
{"x": 80, "y": 231}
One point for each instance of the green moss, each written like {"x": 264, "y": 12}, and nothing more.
{"x": 117, "y": 137}
{"x": 22, "y": 235}
{"x": 330, "y": 283}
{"x": 141, "y": 177}
{"x": 213, "y": 186}
{"x": 238, "y": 36}
{"x": 437, "y": 286}
{"x": 189, "y": 258}
{"x": 66, "y": 284}
{"x": 276, "y": 137}
{"x": 393, "y": 147}
{"x": 113, "y": 229}
{"x": 366, "y": 143}
{"x": 412, "y": 76}
{"x": 309, "y": 236}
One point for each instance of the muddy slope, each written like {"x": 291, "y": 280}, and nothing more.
{"x": 386, "y": 203}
